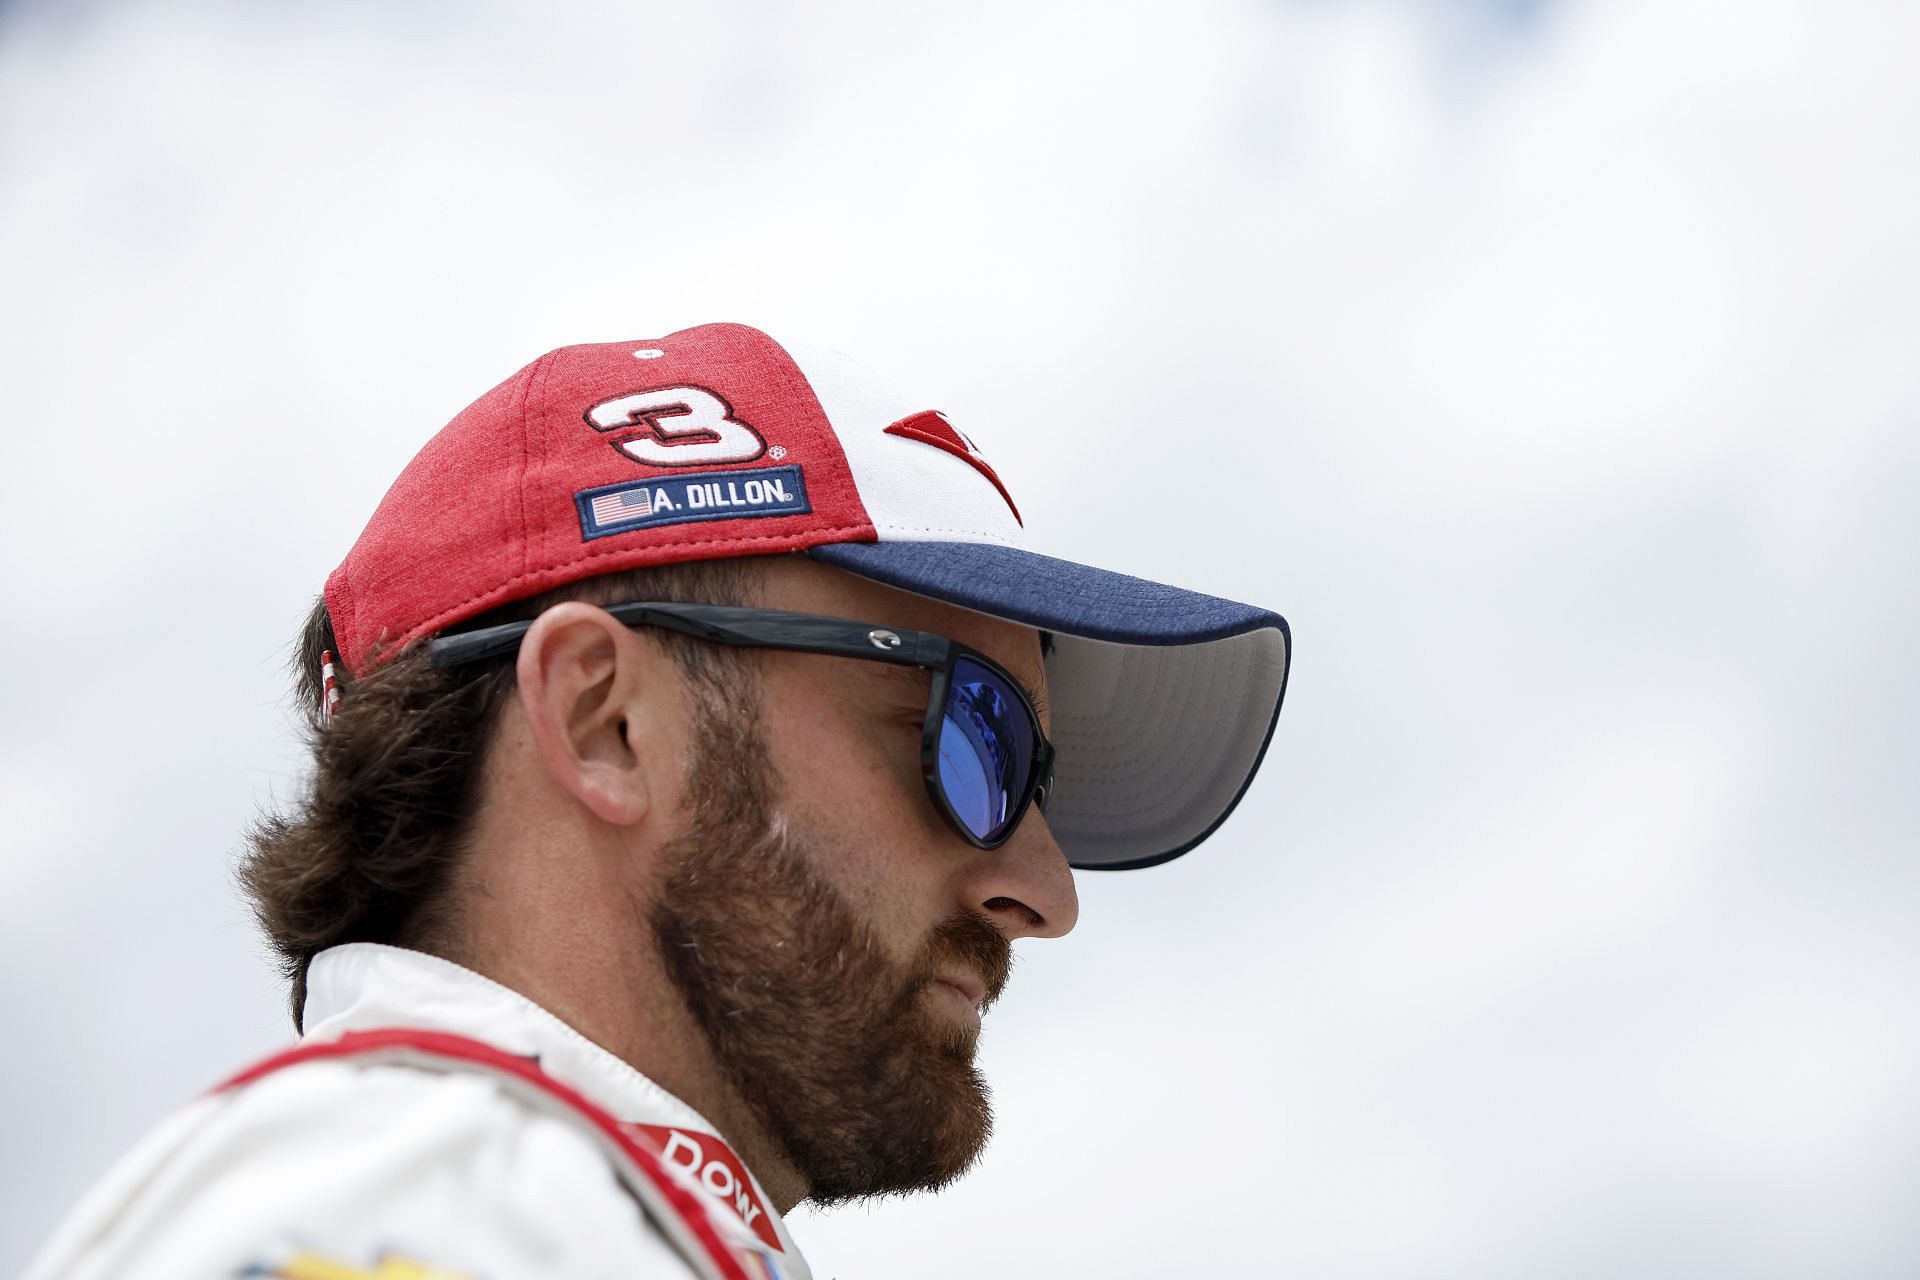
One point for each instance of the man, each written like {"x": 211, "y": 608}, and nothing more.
{"x": 692, "y": 738}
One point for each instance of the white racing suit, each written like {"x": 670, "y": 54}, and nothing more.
{"x": 431, "y": 1125}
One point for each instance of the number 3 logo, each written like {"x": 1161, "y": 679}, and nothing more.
{"x": 679, "y": 427}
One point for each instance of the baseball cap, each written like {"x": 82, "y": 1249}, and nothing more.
{"x": 718, "y": 441}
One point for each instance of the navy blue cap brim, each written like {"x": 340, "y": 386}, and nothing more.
{"x": 1163, "y": 700}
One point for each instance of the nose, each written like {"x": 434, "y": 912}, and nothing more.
{"x": 1024, "y": 886}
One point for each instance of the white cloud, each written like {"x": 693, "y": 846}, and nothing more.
{"x": 1555, "y": 379}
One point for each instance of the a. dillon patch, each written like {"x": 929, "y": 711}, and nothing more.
{"x": 712, "y": 495}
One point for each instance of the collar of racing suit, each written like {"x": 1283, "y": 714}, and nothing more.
{"x": 364, "y": 986}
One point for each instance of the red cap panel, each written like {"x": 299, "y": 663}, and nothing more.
{"x": 706, "y": 444}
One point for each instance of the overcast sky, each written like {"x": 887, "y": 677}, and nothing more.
{"x": 1551, "y": 367}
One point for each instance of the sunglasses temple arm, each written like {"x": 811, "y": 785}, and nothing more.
{"x": 475, "y": 646}
{"x": 722, "y": 625}
{"x": 494, "y": 642}
{"x": 840, "y": 637}
{"x": 929, "y": 650}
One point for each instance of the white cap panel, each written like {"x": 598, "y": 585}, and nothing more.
{"x": 913, "y": 491}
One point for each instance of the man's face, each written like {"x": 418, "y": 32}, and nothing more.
{"x": 831, "y": 934}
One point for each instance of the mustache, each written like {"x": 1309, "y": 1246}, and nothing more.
{"x": 970, "y": 942}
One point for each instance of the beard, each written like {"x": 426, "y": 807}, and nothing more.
{"x": 828, "y": 1040}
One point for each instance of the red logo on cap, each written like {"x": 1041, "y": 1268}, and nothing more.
{"x": 933, "y": 428}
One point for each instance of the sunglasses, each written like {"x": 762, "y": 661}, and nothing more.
{"x": 982, "y": 752}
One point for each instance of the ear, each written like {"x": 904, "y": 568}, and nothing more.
{"x": 586, "y": 683}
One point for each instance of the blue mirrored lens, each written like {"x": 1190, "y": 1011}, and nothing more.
{"x": 986, "y": 749}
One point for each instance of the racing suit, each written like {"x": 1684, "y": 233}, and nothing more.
{"x": 431, "y": 1124}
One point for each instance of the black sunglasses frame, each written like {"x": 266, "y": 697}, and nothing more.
{"x": 811, "y": 633}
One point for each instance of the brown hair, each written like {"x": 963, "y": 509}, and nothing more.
{"x": 365, "y": 854}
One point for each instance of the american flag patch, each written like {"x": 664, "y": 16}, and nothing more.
{"x": 618, "y": 508}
